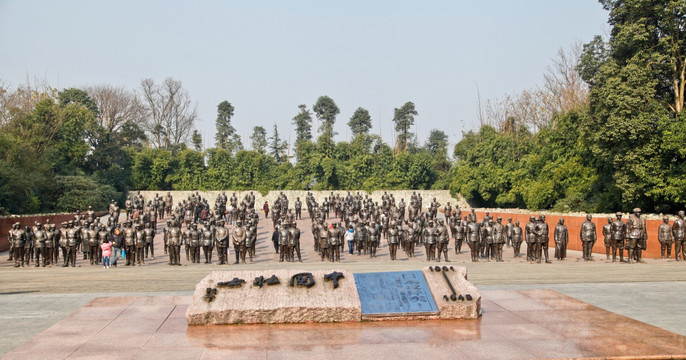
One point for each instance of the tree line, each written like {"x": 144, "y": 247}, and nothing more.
{"x": 619, "y": 144}
{"x": 65, "y": 150}
{"x": 605, "y": 132}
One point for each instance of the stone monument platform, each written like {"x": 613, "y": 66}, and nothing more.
{"x": 516, "y": 324}
{"x": 298, "y": 296}
{"x": 274, "y": 296}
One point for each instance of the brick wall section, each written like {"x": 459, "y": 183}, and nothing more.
{"x": 573, "y": 223}
{"x": 30, "y": 220}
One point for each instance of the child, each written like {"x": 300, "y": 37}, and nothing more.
{"x": 350, "y": 237}
{"x": 106, "y": 252}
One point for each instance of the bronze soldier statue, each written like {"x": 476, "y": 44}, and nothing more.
{"x": 543, "y": 234}
{"x": 63, "y": 242}
{"x": 324, "y": 242}
{"x": 73, "y": 238}
{"x": 93, "y": 248}
{"x": 298, "y": 208}
{"x": 429, "y": 236}
{"x": 28, "y": 246}
{"x": 335, "y": 243}
{"x": 393, "y": 240}
{"x": 130, "y": 243}
{"x": 607, "y": 237}
{"x": 129, "y": 208}
{"x": 238, "y": 238}
{"x": 222, "y": 241}
{"x": 373, "y": 238}
{"x": 473, "y": 237}
{"x": 636, "y": 236}
{"x": 140, "y": 243}
{"x": 149, "y": 233}
{"x": 415, "y": 235}
{"x": 168, "y": 201}
{"x": 165, "y": 233}
{"x": 679, "y": 233}
{"x": 499, "y": 239}
{"x": 530, "y": 237}
{"x": 250, "y": 238}
{"x": 665, "y": 237}
{"x": 294, "y": 241}
{"x": 360, "y": 237}
{"x": 39, "y": 239}
{"x": 207, "y": 242}
{"x": 618, "y": 234}
{"x": 487, "y": 235}
{"x": 193, "y": 243}
{"x": 284, "y": 242}
{"x": 517, "y": 238}
{"x": 82, "y": 228}
{"x": 508, "y": 231}
{"x": 174, "y": 243}
{"x": 588, "y": 237}
{"x": 561, "y": 236}
{"x": 443, "y": 240}
{"x": 50, "y": 243}
{"x": 18, "y": 238}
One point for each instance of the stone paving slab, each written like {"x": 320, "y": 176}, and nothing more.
{"x": 542, "y": 324}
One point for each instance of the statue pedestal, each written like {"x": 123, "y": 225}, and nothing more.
{"x": 236, "y": 297}
{"x": 278, "y": 303}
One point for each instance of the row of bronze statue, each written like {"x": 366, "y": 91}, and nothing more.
{"x": 362, "y": 223}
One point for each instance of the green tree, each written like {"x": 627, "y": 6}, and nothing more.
{"x": 437, "y": 143}
{"x": 78, "y": 97}
{"x": 403, "y": 118}
{"x": 594, "y": 54}
{"x": 360, "y": 122}
{"x": 190, "y": 172}
{"x": 196, "y": 139}
{"x": 326, "y": 110}
{"x": 277, "y": 147}
{"x": 225, "y": 130}
{"x": 258, "y": 139}
{"x": 79, "y": 192}
{"x": 652, "y": 34}
{"x": 637, "y": 91}
{"x": 303, "y": 124}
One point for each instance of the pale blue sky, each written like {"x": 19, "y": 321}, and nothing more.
{"x": 266, "y": 57}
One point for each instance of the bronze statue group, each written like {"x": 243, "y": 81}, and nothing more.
{"x": 358, "y": 222}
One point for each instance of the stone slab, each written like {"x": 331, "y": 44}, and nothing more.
{"x": 397, "y": 293}
{"x": 568, "y": 329}
{"x": 269, "y": 304}
{"x": 462, "y": 308}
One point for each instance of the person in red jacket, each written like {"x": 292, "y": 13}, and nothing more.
{"x": 265, "y": 207}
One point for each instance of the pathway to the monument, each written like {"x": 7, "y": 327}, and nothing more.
{"x": 35, "y": 298}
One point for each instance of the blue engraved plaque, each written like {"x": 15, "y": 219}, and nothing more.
{"x": 394, "y": 293}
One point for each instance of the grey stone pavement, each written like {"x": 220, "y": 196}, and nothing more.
{"x": 34, "y": 299}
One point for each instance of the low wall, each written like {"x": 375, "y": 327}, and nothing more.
{"x": 573, "y": 222}
{"x": 30, "y": 220}
{"x": 442, "y": 196}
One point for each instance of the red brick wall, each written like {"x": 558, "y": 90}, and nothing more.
{"x": 30, "y": 220}
{"x": 574, "y": 225}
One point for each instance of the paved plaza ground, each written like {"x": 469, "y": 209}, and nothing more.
{"x": 34, "y": 299}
